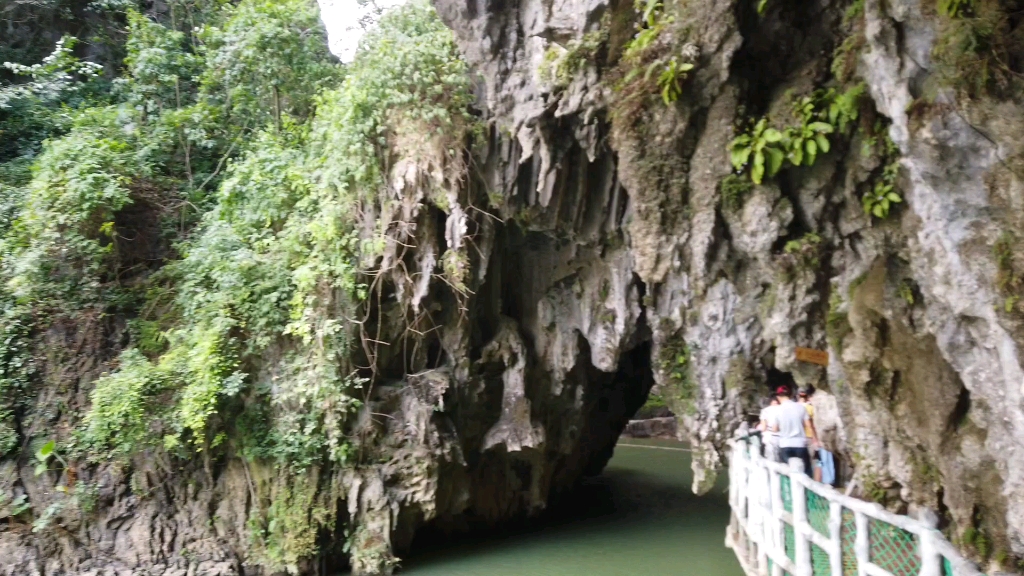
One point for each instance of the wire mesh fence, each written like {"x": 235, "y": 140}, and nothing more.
{"x": 821, "y": 563}
{"x": 848, "y": 539}
{"x": 818, "y": 512}
{"x": 894, "y": 549}
{"x": 786, "y": 523}
{"x": 790, "y": 541}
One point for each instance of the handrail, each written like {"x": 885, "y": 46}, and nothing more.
{"x": 772, "y": 534}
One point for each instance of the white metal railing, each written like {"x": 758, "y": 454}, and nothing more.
{"x": 783, "y": 522}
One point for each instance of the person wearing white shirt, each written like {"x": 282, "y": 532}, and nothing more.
{"x": 771, "y": 439}
{"x": 788, "y": 421}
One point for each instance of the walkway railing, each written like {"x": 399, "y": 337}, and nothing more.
{"x": 783, "y": 522}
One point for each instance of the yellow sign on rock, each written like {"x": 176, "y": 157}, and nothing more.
{"x": 811, "y": 355}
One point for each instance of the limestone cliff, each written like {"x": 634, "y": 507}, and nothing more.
{"x": 923, "y": 393}
{"x": 599, "y": 243}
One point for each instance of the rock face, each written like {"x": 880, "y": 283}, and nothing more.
{"x": 605, "y": 248}
{"x": 923, "y": 392}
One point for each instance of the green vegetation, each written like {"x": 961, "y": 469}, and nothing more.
{"x": 956, "y": 8}
{"x": 804, "y": 252}
{"x": 906, "y": 291}
{"x": 650, "y": 64}
{"x": 674, "y": 362}
{"x": 873, "y": 488}
{"x": 763, "y": 150}
{"x": 845, "y": 56}
{"x": 37, "y": 107}
{"x": 653, "y": 402}
{"x": 734, "y": 190}
{"x": 655, "y": 406}
{"x": 837, "y": 322}
{"x": 978, "y": 50}
{"x": 208, "y": 201}
{"x": 810, "y": 136}
{"x": 283, "y": 529}
{"x": 977, "y": 538}
{"x": 561, "y": 66}
{"x": 47, "y": 453}
{"x": 883, "y": 193}
{"x": 1009, "y": 278}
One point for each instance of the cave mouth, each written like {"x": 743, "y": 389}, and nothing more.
{"x": 775, "y": 379}
{"x": 639, "y": 516}
{"x": 611, "y": 400}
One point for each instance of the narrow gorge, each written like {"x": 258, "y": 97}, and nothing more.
{"x": 267, "y": 313}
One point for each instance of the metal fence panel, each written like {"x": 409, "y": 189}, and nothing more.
{"x": 785, "y": 523}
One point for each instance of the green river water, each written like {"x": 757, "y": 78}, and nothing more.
{"x": 639, "y": 518}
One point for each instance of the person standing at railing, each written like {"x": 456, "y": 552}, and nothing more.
{"x": 770, "y": 438}
{"x": 788, "y": 421}
{"x": 804, "y": 397}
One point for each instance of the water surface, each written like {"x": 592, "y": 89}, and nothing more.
{"x": 639, "y": 518}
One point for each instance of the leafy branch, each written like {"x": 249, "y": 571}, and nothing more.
{"x": 765, "y": 150}
{"x": 883, "y": 194}
{"x": 648, "y": 61}
{"x": 47, "y": 453}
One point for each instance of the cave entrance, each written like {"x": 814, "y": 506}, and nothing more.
{"x": 612, "y": 400}
{"x": 775, "y": 378}
{"x": 634, "y": 513}
{"x": 653, "y": 417}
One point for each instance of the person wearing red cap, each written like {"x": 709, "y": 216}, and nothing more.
{"x": 788, "y": 421}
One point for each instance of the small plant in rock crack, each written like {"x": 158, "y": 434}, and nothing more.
{"x": 821, "y": 114}
{"x": 883, "y": 194}
{"x": 46, "y": 455}
{"x": 734, "y": 189}
{"x": 561, "y": 66}
{"x": 763, "y": 150}
{"x": 906, "y": 290}
{"x": 956, "y": 8}
{"x": 767, "y": 149}
{"x": 669, "y": 81}
{"x": 811, "y": 136}
{"x": 14, "y": 507}
{"x": 844, "y": 107}
{"x": 651, "y": 58}
{"x": 805, "y": 251}
{"x": 653, "y": 22}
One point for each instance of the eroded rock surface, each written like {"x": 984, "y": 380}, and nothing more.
{"x": 599, "y": 258}
{"x": 923, "y": 391}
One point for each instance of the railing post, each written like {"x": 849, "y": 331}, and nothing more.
{"x": 775, "y": 531}
{"x": 750, "y": 473}
{"x": 835, "y": 534}
{"x": 764, "y": 518}
{"x": 760, "y": 504}
{"x": 734, "y": 471}
{"x": 744, "y": 487}
{"x": 862, "y": 545}
{"x": 800, "y": 524}
{"x": 931, "y": 560}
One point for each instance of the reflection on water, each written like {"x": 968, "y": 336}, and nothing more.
{"x": 637, "y": 519}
